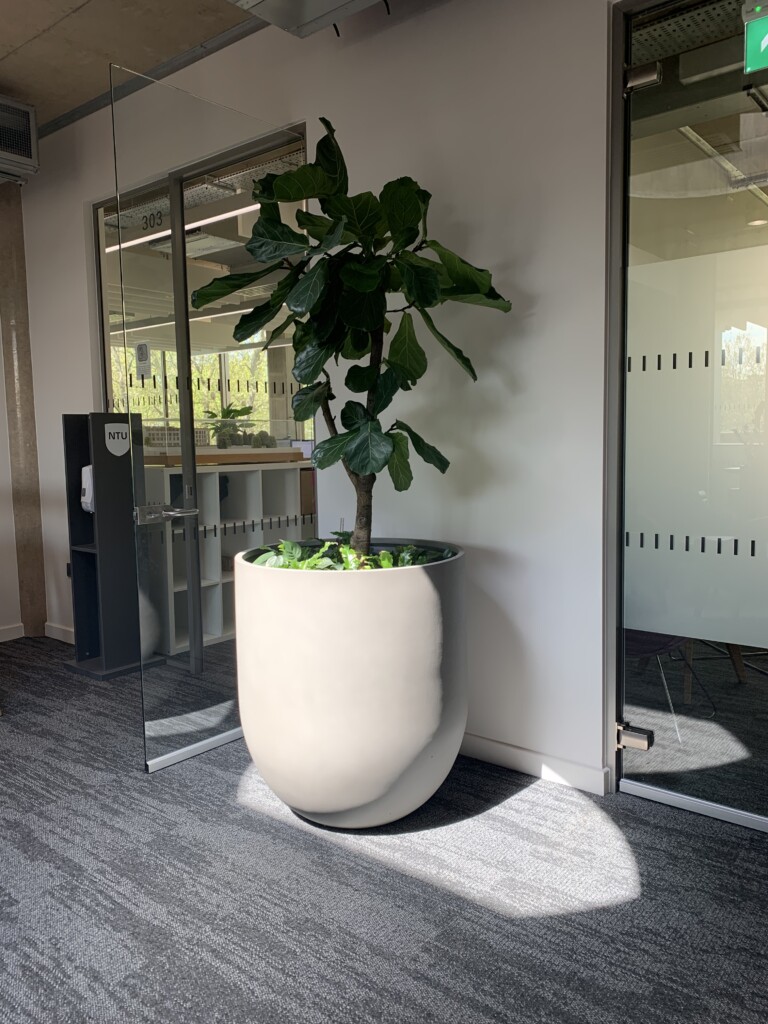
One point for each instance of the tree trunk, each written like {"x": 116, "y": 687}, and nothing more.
{"x": 361, "y": 535}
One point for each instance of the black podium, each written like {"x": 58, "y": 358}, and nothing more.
{"x": 102, "y": 543}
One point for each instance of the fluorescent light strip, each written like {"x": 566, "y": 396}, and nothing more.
{"x": 188, "y": 227}
{"x": 138, "y": 241}
{"x": 223, "y": 216}
{"x": 170, "y": 323}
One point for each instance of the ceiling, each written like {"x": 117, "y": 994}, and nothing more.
{"x": 55, "y": 54}
{"x": 685, "y": 26}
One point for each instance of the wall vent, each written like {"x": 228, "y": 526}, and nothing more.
{"x": 303, "y": 17}
{"x": 18, "y": 140}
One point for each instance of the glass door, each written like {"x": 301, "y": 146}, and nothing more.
{"x": 217, "y": 462}
{"x": 696, "y": 463}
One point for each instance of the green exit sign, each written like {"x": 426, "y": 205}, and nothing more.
{"x": 756, "y": 43}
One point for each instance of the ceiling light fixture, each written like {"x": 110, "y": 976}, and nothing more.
{"x": 187, "y": 227}
{"x": 170, "y": 323}
{"x": 756, "y": 223}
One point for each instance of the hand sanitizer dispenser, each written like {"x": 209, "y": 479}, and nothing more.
{"x": 86, "y": 488}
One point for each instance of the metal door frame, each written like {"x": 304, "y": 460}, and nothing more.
{"x": 615, "y": 426}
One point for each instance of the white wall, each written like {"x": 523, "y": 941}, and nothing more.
{"x": 63, "y": 322}
{"x": 513, "y": 148}
{"x": 10, "y": 610}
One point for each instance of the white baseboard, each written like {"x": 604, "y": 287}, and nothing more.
{"x": 65, "y": 633}
{"x": 543, "y": 766}
{"x": 11, "y": 632}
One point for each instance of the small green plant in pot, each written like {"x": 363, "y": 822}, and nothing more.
{"x": 345, "y": 736}
{"x": 364, "y": 262}
{"x": 224, "y": 429}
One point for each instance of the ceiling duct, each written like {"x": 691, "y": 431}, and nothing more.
{"x": 18, "y": 141}
{"x": 303, "y": 17}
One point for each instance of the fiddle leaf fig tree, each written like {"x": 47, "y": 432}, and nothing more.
{"x": 346, "y": 276}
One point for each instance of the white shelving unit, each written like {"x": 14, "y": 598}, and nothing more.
{"x": 241, "y": 507}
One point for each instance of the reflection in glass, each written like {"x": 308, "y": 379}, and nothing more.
{"x": 696, "y": 470}
{"x": 220, "y": 451}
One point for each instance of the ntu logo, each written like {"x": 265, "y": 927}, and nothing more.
{"x": 117, "y": 438}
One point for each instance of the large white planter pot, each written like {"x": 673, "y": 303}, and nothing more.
{"x": 352, "y": 684}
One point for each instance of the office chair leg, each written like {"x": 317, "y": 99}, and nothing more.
{"x": 669, "y": 699}
{"x": 687, "y": 676}
{"x": 737, "y": 660}
{"x": 695, "y": 675}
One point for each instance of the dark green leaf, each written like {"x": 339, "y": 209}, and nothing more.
{"x": 421, "y": 282}
{"x": 302, "y": 335}
{"x": 425, "y": 199}
{"x": 220, "y": 287}
{"x": 387, "y": 387}
{"x": 307, "y": 401}
{"x": 259, "y": 317}
{"x": 361, "y": 378}
{"x": 324, "y": 323}
{"x": 403, "y": 210}
{"x": 310, "y": 361}
{"x": 306, "y": 182}
{"x": 306, "y": 293}
{"x": 331, "y": 240}
{"x": 399, "y": 465}
{"x": 280, "y": 330}
{"x": 317, "y": 227}
{"x": 325, "y": 319}
{"x": 402, "y": 379}
{"x": 427, "y": 452}
{"x": 364, "y": 310}
{"x": 364, "y": 214}
{"x": 468, "y": 279}
{"x": 273, "y": 240}
{"x": 406, "y": 352}
{"x": 457, "y": 354}
{"x": 330, "y": 450}
{"x": 252, "y": 322}
{"x": 353, "y": 415}
{"x": 357, "y": 344}
{"x": 329, "y": 156}
{"x": 363, "y": 275}
{"x": 491, "y": 299}
{"x": 337, "y": 338}
{"x": 270, "y": 212}
{"x": 263, "y": 189}
{"x": 369, "y": 450}
{"x": 360, "y": 340}
{"x": 394, "y": 279}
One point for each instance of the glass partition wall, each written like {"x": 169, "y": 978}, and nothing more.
{"x": 696, "y": 462}
{"x": 219, "y": 465}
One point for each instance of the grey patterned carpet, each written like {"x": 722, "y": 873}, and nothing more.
{"x": 181, "y": 709}
{"x": 193, "y": 897}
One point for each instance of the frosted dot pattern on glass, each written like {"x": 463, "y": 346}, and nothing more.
{"x": 696, "y": 527}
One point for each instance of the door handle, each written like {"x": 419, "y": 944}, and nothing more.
{"x": 169, "y": 512}
{"x": 145, "y": 514}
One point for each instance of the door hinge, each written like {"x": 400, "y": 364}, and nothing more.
{"x": 642, "y": 77}
{"x": 629, "y": 736}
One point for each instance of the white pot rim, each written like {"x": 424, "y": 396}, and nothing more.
{"x": 384, "y": 542}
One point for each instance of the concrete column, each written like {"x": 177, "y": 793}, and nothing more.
{"x": 20, "y": 404}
